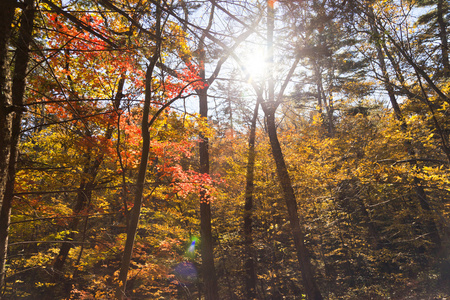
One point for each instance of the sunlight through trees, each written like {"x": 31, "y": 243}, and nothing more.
{"x": 224, "y": 149}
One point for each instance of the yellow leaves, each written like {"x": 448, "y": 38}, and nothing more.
{"x": 203, "y": 127}
{"x": 397, "y": 179}
{"x": 62, "y": 235}
{"x": 177, "y": 39}
{"x": 428, "y": 170}
{"x": 41, "y": 259}
{"x": 413, "y": 119}
{"x": 317, "y": 119}
{"x": 337, "y": 252}
{"x": 437, "y": 176}
{"x": 45, "y": 284}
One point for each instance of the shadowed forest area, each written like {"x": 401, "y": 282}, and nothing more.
{"x": 224, "y": 149}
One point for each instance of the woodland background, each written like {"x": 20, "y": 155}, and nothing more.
{"x": 143, "y": 157}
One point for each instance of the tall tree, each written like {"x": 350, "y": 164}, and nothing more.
{"x": 249, "y": 263}
{"x": 207, "y": 244}
{"x": 17, "y": 95}
{"x": 270, "y": 106}
{"x": 6, "y": 111}
{"x": 145, "y": 127}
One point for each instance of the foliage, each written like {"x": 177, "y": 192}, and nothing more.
{"x": 372, "y": 185}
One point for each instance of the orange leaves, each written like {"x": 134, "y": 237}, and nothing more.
{"x": 83, "y": 68}
{"x": 193, "y": 182}
{"x": 167, "y": 157}
{"x": 72, "y": 36}
{"x": 191, "y": 75}
{"x": 187, "y": 81}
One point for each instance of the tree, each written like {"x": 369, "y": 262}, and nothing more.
{"x": 12, "y": 123}
{"x": 209, "y": 273}
{"x": 7, "y": 11}
{"x": 269, "y": 108}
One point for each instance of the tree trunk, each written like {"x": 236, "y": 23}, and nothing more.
{"x": 270, "y": 108}
{"x": 84, "y": 194}
{"x": 322, "y": 101}
{"x": 303, "y": 256}
{"x": 207, "y": 247}
{"x": 137, "y": 203}
{"x": 249, "y": 264}
{"x": 17, "y": 94}
{"x": 7, "y": 8}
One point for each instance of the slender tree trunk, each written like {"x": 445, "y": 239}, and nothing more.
{"x": 84, "y": 196}
{"x": 145, "y": 133}
{"x": 249, "y": 264}
{"x": 303, "y": 256}
{"x": 17, "y": 93}
{"x": 327, "y": 123}
{"x": 207, "y": 245}
{"x": 329, "y": 103}
{"x": 270, "y": 108}
{"x": 318, "y": 78}
{"x": 384, "y": 74}
{"x": 137, "y": 203}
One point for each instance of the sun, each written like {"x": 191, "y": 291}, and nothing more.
{"x": 255, "y": 63}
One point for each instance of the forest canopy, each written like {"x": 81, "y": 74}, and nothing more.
{"x": 224, "y": 149}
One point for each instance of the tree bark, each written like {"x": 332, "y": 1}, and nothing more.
{"x": 249, "y": 264}
{"x": 207, "y": 244}
{"x": 7, "y": 8}
{"x": 270, "y": 108}
{"x": 303, "y": 256}
{"x": 84, "y": 196}
{"x": 137, "y": 203}
{"x": 17, "y": 95}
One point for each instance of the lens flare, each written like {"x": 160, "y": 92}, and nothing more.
{"x": 185, "y": 272}
{"x": 191, "y": 248}
{"x": 190, "y": 252}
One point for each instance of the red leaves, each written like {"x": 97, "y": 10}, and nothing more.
{"x": 194, "y": 182}
{"x": 72, "y": 37}
{"x": 187, "y": 81}
{"x": 191, "y": 75}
